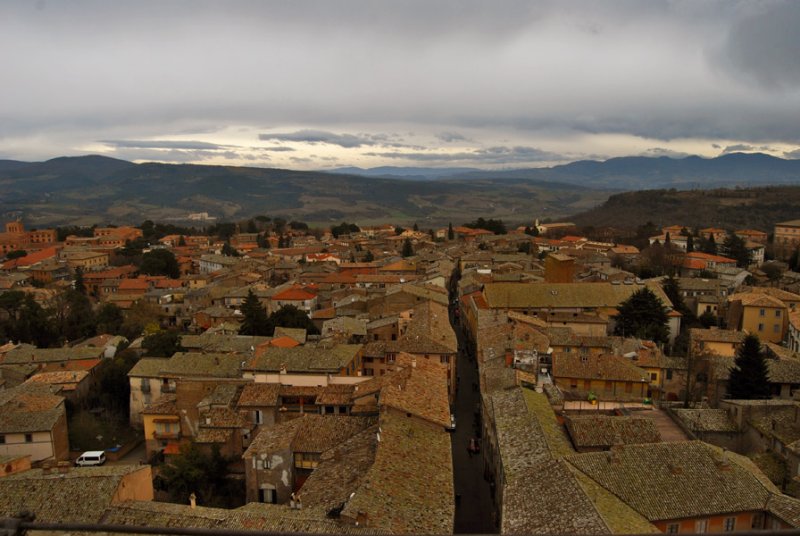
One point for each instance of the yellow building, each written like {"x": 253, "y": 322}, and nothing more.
{"x": 759, "y": 314}
{"x": 787, "y": 238}
{"x": 606, "y": 376}
{"x": 721, "y": 342}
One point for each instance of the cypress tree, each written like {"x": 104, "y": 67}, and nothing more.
{"x": 749, "y": 378}
{"x": 255, "y": 316}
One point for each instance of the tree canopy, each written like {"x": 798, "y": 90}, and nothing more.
{"x": 643, "y": 315}
{"x": 495, "y": 226}
{"x": 749, "y": 377}
{"x": 160, "y": 262}
{"x": 734, "y": 247}
{"x": 408, "y": 248}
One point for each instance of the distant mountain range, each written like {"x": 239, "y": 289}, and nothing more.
{"x": 626, "y": 173}
{"x": 97, "y": 189}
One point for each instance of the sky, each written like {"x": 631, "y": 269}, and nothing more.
{"x": 323, "y": 84}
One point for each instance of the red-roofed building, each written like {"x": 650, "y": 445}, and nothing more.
{"x": 296, "y": 296}
{"x": 32, "y": 258}
{"x": 697, "y": 261}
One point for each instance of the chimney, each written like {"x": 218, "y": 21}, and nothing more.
{"x": 413, "y": 362}
{"x": 47, "y": 468}
{"x": 192, "y": 501}
{"x": 724, "y": 463}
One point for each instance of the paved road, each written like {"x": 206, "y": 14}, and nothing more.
{"x": 473, "y": 500}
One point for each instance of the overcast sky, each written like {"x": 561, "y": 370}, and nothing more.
{"x": 319, "y": 84}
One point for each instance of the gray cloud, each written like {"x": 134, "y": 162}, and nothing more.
{"x": 794, "y": 155}
{"x": 319, "y": 136}
{"x": 162, "y": 144}
{"x": 490, "y": 155}
{"x": 449, "y": 137}
{"x": 745, "y": 147}
{"x": 765, "y": 46}
{"x": 661, "y": 151}
{"x": 351, "y": 73}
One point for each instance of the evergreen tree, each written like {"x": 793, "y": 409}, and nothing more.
{"x": 734, "y": 247}
{"x": 708, "y": 245}
{"x": 228, "y": 250}
{"x": 450, "y": 233}
{"x": 79, "y": 284}
{"x": 160, "y": 262}
{"x": 162, "y": 344}
{"x": 408, "y": 249}
{"x": 643, "y": 315}
{"x": 255, "y": 320}
{"x": 794, "y": 260}
{"x": 182, "y": 241}
{"x": 749, "y": 378}
{"x": 109, "y": 319}
{"x": 673, "y": 292}
{"x": 416, "y": 227}
{"x": 689, "y": 244}
{"x": 290, "y": 316}
{"x": 369, "y": 257}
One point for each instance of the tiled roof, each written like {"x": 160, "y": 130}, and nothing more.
{"x": 597, "y": 367}
{"x": 677, "y": 480}
{"x": 298, "y": 334}
{"x": 555, "y": 295}
{"x": 341, "y": 471}
{"x": 259, "y": 395}
{"x": 600, "y": 431}
{"x": 50, "y": 355}
{"x": 309, "y": 433}
{"x": 716, "y": 335}
{"x": 191, "y": 364}
{"x": 79, "y": 496}
{"x": 253, "y": 516}
{"x": 405, "y": 492}
{"x": 148, "y": 367}
{"x": 293, "y": 294}
{"x": 421, "y": 391}
{"x": 756, "y": 299}
{"x": 706, "y": 420}
{"x": 30, "y": 407}
{"x": 549, "y": 501}
{"x": 319, "y": 359}
{"x": 221, "y": 343}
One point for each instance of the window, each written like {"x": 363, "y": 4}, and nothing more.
{"x": 776, "y": 328}
{"x": 761, "y": 312}
{"x": 28, "y": 438}
{"x": 259, "y": 417}
{"x": 730, "y": 524}
{"x": 573, "y": 384}
{"x": 587, "y": 385}
{"x": 306, "y": 460}
{"x": 609, "y": 385}
{"x": 701, "y": 526}
{"x": 673, "y": 528}
{"x": 653, "y": 376}
{"x": 669, "y": 374}
{"x": 445, "y": 359}
{"x": 2, "y": 440}
{"x": 777, "y": 313}
{"x": 761, "y": 327}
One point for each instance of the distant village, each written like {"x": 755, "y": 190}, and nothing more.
{"x": 265, "y": 375}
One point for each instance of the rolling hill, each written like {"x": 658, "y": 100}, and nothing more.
{"x": 96, "y": 189}
{"x": 739, "y": 208}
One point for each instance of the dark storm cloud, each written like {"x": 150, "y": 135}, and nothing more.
{"x": 765, "y": 46}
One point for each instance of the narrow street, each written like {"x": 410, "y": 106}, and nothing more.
{"x": 473, "y": 500}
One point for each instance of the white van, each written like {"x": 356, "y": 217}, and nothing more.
{"x": 91, "y": 457}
